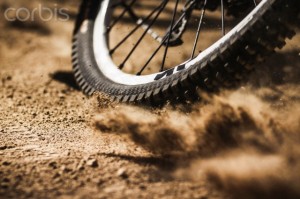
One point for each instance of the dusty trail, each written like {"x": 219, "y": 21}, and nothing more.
{"x": 57, "y": 143}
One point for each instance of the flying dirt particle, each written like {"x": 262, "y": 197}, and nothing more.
{"x": 4, "y": 184}
{"x": 64, "y": 169}
{"x": 80, "y": 165}
{"x": 56, "y": 175}
{"x": 53, "y": 164}
{"x": 92, "y": 163}
{"x": 104, "y": 101}
{"x": 6, "y": 163}
{"x": 143, "y": 187}
{"x": 122, "y": 173}
{"x": 5, "y": 147}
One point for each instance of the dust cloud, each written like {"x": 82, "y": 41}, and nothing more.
{"x": 244, "y": 142}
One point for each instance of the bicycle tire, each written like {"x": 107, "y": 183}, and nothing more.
{"x": 265, "y": 30}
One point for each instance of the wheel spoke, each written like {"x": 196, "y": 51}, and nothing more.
{"x": 199, "y": 29}
{"x": 162, "y": 6}
{"x": 169, "y": 36}
{"x": 161, "y": 44}
{"x": 140, "y": 22}
{"x": 120, "y": 16}
{"x": 223, "y": 17}
{"x": 255, "y": 3}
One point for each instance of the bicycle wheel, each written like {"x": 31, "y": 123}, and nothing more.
{"x": 167, "y": 49}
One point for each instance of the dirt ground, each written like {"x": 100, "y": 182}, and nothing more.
{"x": 57, "y": 143}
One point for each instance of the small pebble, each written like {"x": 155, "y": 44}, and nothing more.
{"x": 53, "y": 165}
{"x": 5, "y": 163}
{"x": 122, "y": 173}
{"x": 92, "y": 163}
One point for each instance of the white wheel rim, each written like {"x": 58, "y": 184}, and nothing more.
{"x": 112, "y": 72}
